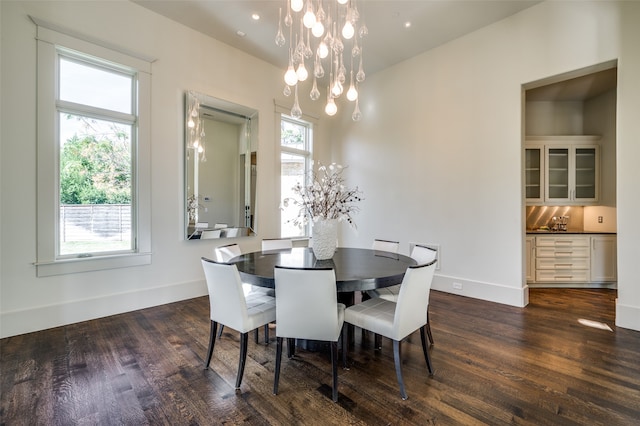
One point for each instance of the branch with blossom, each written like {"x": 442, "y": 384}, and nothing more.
{"x": 326, "y": 197}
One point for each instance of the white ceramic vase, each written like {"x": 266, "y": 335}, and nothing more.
{"x": 325, "y": 238}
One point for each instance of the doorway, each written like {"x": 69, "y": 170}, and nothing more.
{"x": 576, "y": 109}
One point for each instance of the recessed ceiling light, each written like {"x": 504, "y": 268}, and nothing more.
{"x": 241, "y": 33}
{"x": 255, "y": 16}
{"x": 407, "y": 24}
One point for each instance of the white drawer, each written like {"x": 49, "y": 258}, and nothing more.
{"x": 563, "y": 241}
{"x": 566, "y": 276}
{"x": 562, "y": 264}
{"x": 563, "y": 252}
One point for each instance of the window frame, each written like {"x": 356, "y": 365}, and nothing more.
{"x": 307, "y": 153}
{"x": 50, "y": 42}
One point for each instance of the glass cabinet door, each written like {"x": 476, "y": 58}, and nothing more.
{"x": 533, "y": 173}
{"x": 585, "y": 173}
{"x": 558, "y": 173}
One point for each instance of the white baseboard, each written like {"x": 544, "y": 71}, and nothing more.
{"x": 484, "y": 291}
{"x": 44, "y": 317}
{"x": 627, "y": 316}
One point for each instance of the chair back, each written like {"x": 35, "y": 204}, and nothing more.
{"x": 226, "y": 297}
{"x": 276, "y": 243}
{"x": 385, "y": 245}
{"x": 413, "y": 300}
{"x": 423, "y": 254}
{"x": 225, "y": 253}
{"x": 306, "y": 304}
{"x": 210, "y": 233}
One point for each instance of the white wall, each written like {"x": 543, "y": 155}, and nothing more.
{"x": 438, "y": 152}
{"x": 186, "y": 60}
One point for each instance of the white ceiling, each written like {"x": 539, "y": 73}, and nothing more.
{"x": 432, "y": 23}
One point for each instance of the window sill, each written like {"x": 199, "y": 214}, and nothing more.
{"x": 74, "y": 266}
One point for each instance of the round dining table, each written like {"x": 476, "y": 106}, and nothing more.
{"x": 356, "y": 269}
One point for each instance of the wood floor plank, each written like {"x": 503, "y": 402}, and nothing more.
{"x": 494, "y": 365}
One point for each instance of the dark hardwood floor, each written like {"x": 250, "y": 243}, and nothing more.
{"x": 494, "y": 365}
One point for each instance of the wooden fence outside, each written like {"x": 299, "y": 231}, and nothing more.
{"x": 90, "y": 222}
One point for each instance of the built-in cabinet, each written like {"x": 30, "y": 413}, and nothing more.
{"x": 562, "y": 170}
{"x": 571, "y": 260}
{"x": 604, "y": 258}
{"x": 531, "y": 267}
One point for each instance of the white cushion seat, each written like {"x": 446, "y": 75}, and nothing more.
{"x": 397, "y": 320}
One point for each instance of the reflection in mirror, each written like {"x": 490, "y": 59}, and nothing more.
{"x": 220, "y": 168}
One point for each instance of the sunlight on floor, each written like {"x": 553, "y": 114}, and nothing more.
{"x": 594, "y": 324}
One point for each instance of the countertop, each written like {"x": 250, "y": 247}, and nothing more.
{"x": 539, "y": 232}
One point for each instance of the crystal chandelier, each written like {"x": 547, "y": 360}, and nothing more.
{"x": 195, "y": 126}
{"x": 322, "y": 30}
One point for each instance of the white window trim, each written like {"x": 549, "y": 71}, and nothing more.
{"x": 310, "y": 124}
{"x": 48, "y": 38}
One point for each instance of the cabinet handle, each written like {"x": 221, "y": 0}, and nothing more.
{"x": 563, "y": 264}
{"x": 563, "y": 242}
{"x": 564, "y": 252}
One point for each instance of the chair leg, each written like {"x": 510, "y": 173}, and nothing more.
{"x": 334, "y": 370}
{"x": 424, "y": 349}
{"x": 212, "y": 342}
{"x": 291, "y": 348}
{"x": 276, "y": 377}
{"x": 244, "y": 342}
{"x": 257, "y": 337}
{"x": 345, "y": 345}
{"x": 266, "y": 334}
{"x": 378, "y": 342}
{"x": 429, "y": 327}
{"x": 220, "y": 332}
{"x": 398, "y": 362}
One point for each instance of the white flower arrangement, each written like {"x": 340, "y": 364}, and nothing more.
{"x": 326, "y": 197}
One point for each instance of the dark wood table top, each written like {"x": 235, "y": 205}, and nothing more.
{"x": 355, "y": 268}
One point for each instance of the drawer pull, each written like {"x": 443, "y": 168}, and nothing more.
{"x": 568, "y": 265}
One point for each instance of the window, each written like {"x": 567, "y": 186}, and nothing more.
{"x": 93, "y": 156}
{"x": 295, "y": 164}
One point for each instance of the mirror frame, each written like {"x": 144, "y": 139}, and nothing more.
{"x": 197, "y": 105}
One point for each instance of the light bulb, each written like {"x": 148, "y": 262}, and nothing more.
{"x": 191, "y": 124}
{"x": 336, "y": 89}
{"x": 315, "y": 93}
{"x": 296, "y": 5}
{"x": 196, "y": 143}
{"x": 323, "y": 50}
{"x": 318, "y": 29}
{"x": 339, "y": 1}
{"x": 287, "y": 90}
{"x": 200, "y": 149}
{"x": 348, "y": 31}
{"x": 309, "y": 18}
{"x": 302, "y": 72}
{"x": 330, "y": 108}
{"x": 290, "y": 77}
{"x": 352, "y": 93}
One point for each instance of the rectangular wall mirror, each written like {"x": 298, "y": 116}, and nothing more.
{"x": 220, "y": 168}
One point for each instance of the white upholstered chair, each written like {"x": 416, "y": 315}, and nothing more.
{"x": 224, "y": 254}
{"x": 229, "y": 307}
{"x": 276, "y": 243}
{"x": 386, "y": 245}
{"x": 397, "y": 320}
{"x": 210, "y": 234}
{"x": 307, "y": 308}
{"x": 421, "y": 254}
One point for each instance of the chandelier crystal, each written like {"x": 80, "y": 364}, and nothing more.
{"x": 323, "y": 30}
